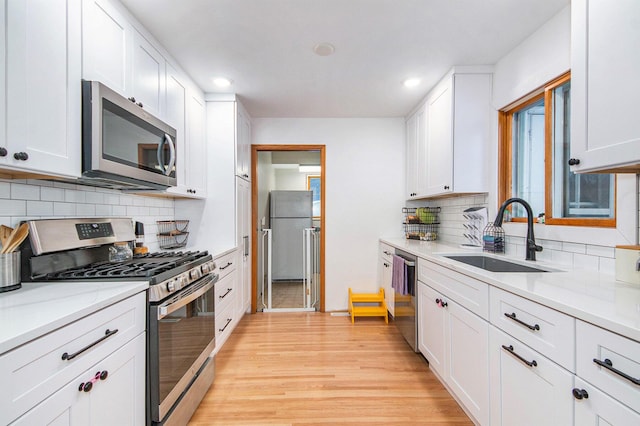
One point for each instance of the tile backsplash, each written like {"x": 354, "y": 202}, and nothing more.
{"x": 584, "y": 256}
{"x": 38, "y": 199}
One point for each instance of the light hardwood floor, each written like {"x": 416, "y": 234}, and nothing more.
{"x": 318, "y": 369}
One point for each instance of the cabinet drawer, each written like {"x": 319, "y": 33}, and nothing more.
{"x": 224, "y": 324}
{"x": 548, "y": 331}
{"x": 386, "y": 252}
{"x": 226, "y": 263}
{"x": 466, "y": 291}
{"x": 623, "y": 354}
{"x": 225, "y": 292}
{"x": 37, "y": 369}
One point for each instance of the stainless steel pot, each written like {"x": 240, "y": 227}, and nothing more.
{"x": 10, "y": 271}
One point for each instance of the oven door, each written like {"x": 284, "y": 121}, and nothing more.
{"x": 181, "y": 337}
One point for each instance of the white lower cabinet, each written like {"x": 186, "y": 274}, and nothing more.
{"x": 45, "y": 374}
{"x": 118, "y": 399}
{"x": 455, "y": 342}
{"x": 228, "y": 295}
{"x": 432, "y": 328}
{"x": 526, "y": 387}
{"x": 594, "y": 407}
{"x": 530, "y": 365}
{"x": 385, "y": 274}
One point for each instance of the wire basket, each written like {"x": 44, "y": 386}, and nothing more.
{"x": 493, "y": 239}
{"x": 421, "y": 223}
{"x": 172, "y": 234}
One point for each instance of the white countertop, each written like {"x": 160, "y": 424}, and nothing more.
{"x": 590, "y": 296}
{"x": 39, "y": 308}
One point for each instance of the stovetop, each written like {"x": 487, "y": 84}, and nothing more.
{"x": 141, "y": 266}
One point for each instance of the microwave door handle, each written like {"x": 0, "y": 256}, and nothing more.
{"x": 172, "y": 152}
{"x": 159, "y": 155}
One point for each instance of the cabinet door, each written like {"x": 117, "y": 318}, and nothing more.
{"x": 523, "y": 394}
{"x": 148, "y": 76}
{"x": 43, "y": 85}
{"x": 3, "y": 92}
{"x": 416, "y": 152}
{"x": 598, "y": 408}
{"x": 196, "y": 168}
{"x": 432, "y": 329}
{"x": 385, "y": 273}
{"x": 243, "y": 210}
{"x": 605, "y": 131}
{"x": 119, "y": 399}
{"x": 106, "y": 45}
{"x": 176, "y": 116}
{"x": 467, "y": 372}
{"x": 243, "y": 143}
{"x": 439, "y": 167}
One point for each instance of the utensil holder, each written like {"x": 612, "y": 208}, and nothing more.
{"x": 476, "y": 221}
{"x": 10, "y": 271}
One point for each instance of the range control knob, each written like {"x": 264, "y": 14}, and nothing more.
{"x": 195, "y": 274}
{"x": 205, "y": 268}
{"x": 171, "y": 287}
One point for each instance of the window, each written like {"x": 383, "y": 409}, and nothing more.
{"x": 534, "y": 152}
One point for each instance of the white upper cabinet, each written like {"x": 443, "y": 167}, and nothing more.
{"x": 148, "y": 76}
{"x": 448, "y": 139}
{"x": 41, "y": 76}
{"x": 416, "y": 153}
{"x": 243, "y": 142}
{"x": 119, "y": 56}
{"x": 605, "y": 130}
{"x": 196, "y": 165}
{"x": 439, "y": 165}
{"x": 106, "y": 39}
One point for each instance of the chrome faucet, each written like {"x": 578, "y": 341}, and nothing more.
{"x": 532, "y": 247}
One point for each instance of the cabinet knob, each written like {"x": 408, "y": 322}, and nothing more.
{"x": 22, "y": 156}
{"x": 87, "y": 386}
{"x": 441, "y": 303}
{"x": 140, "y": 104}
{"x": 132, "y": 99}
{"x": 580, "y": 393}
{"x": 3, "y": 152}
{"x": 446, "y": 187}
{"x": 573, "y": 161}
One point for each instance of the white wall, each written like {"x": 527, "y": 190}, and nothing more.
{"x": 543, "y": 56}
{"x": 364, "y": 187}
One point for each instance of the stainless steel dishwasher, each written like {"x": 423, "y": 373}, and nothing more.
{"x": 406, "y": 306}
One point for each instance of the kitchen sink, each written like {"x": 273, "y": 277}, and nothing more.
{"x": 495, "y": 265}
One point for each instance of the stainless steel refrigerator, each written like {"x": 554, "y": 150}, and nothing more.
{"x": 290, "y": 213}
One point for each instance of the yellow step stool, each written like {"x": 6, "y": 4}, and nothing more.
{"x": 367, "y": 311}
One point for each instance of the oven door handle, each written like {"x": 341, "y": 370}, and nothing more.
{"x": 165, "y": 310}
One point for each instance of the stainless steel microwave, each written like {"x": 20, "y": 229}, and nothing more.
{"x": 123, "y": 146}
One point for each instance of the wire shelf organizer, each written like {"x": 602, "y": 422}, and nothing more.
{"x": 493, "y": 239}
{"x": 421, "y": 223}
{"x": 172, "y": 234}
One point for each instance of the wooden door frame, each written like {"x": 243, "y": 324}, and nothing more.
{"x": 254, "y": 213}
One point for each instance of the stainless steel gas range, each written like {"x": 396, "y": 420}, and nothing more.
{"x": 181, "y": 317}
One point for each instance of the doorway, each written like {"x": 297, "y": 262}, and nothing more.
{"x": 288, "y": 265}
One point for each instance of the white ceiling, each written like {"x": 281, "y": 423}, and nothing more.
{"x": 266, "y": 47}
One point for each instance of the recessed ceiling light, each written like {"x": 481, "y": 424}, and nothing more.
{"x": 222, "y": 82}
{"x": 324, "y": 49}
{"x": 411, "y": 82}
